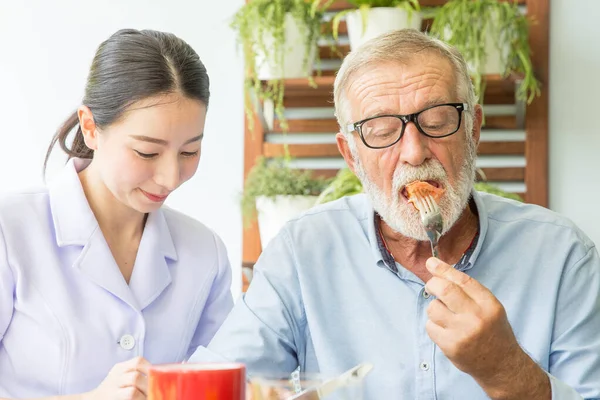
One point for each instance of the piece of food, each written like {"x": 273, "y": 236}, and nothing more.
{"x": 422, "y": 189}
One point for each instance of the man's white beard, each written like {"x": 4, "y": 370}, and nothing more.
{"x": 401, "y": 216}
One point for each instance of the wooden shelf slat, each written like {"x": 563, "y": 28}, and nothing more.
{"x": 302, "y": 150}
{"x": 308, "y": 126}
{"x": 504, "y": 174}
{"x": 500, "y": 122}
{"x": 501, "y": 148}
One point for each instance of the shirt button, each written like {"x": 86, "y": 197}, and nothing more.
{"x": 426, "y": 294}
{"x": 127, "y": 342}
{"x": 424, "y": 366}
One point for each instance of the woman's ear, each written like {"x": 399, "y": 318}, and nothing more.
{"x": 88, "y": 127}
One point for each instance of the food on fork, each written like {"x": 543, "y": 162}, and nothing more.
{"x": 422, "y": 189}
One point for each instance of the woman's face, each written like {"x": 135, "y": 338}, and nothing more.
{"x": 151, "y": 150}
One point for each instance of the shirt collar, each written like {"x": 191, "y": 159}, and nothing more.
{"x": 75, "y": 222}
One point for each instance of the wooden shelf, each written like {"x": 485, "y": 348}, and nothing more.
{"x": 526, "y": 158}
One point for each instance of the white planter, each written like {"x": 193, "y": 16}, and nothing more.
{"x": 379, "y": 20}
{"x": 495, "y": 62}
{"x": 274, "y": 213}
{"x": 294, "y": 54}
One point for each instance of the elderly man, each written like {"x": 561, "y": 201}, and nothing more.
{"x": 510, "y": 310}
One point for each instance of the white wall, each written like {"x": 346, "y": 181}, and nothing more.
{"x": 575, "y": 112}
{"x": 46, "y": 48}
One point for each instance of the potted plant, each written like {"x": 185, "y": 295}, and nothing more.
{"x": 279, "y": 41}
{"x": 493, "y": 37}
{"x": 346, "y": 183}
{"x": 375, "y": 17}
{"x": 274, "y": 192}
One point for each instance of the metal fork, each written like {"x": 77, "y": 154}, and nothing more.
{"x": 432, "y": 220}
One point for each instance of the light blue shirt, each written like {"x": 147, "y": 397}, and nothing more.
{"x": 67, "y": 316}
{"x": 323, "y": 299}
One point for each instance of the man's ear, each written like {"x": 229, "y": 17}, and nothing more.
{"x": 344, "y": 148}
{"x": 477, "y": 121}
{"x": 88, "y": 127}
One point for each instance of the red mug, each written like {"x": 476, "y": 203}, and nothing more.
{"x": 214, "y": 381}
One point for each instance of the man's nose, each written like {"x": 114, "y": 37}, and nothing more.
{"x": 413, "y": 146}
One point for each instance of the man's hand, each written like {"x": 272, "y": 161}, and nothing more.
{"x": 470, "y": 326}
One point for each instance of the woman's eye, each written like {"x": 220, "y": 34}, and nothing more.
{"x": 189, "y": 153}
{"x": 146, "y": 155}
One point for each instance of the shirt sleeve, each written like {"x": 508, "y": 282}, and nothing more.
{"x": 219, "y": 303}
{"x": 574, "y": 365}
{"x": 265, "y": 330}
{"x": 7, "y": 289}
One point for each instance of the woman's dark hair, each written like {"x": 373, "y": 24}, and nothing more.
{"x": 129, "y": 66}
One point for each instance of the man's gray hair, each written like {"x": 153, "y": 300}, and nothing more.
{"x": 401, "y": 46}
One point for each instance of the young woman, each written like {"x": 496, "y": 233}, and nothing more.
{"x": 97, "y": 277}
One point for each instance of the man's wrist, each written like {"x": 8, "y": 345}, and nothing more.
{"x": 520, "y": 378}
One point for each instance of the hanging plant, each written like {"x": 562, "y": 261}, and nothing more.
{"x": 467, "y": 24}
{"x": 261, "y": 27}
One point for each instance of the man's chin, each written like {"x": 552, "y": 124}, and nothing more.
{"x": 412, "y": 230}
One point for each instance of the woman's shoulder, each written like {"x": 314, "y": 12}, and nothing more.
{"x": 23, "y": 213}
{"x": 24, "y": 201}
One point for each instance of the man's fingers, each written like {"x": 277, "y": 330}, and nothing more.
{"x": 435, "y": 332}
{"x": 449, "y": 293}
{"x": 472, "y": 288}
{"x": 439, "y": 314}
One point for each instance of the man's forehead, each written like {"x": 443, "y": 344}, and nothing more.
{"x": 407, "y": 87}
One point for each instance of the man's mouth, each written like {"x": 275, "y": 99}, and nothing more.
{"x": 433, "y": 183}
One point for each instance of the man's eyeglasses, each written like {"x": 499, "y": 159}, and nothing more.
{"x": 386, "y": 130}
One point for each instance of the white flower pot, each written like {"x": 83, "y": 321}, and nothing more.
{"x": 495, "y": 62}
{"x": 379, "y": 20}
{"x": 294, "y": 54}
{"x": 273, "y": 213}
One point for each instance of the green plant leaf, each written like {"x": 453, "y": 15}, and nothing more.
{"x": 260, "y": 28}
{"x": 465, "y": 23}
{"x": 275, "y": 177}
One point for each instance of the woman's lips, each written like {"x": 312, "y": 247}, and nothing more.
{"x": 154, "y": 197}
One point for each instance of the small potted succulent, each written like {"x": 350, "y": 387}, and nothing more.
{"x": 274, "y": 192}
